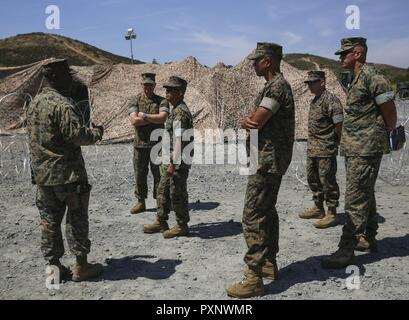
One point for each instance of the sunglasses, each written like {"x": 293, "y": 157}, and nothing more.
{"x": 259, "y": 59}
{"x": 313, "y": 82}
{"x": 344, "y": 54}
{"x": 171, "y": 89}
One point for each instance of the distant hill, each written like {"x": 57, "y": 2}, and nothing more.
{"x": 310, "y": 62}
{"x": 29, "y": 48}
{"x": 32, "y": 47}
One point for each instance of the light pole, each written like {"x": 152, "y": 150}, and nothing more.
{"x": 130, "y": 36}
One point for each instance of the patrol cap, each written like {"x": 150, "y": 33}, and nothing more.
{"x": 315, "y": 75}
{"x": 264, "y": 48}
{"x": 349, "y": 43}
{"x": 55, "y": 66}
{"x": 175, "y": 82}
{"x": 148, "y": 78}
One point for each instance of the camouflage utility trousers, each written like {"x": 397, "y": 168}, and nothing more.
{"x": 172, "y": 192}
{"x": 52, "y": 202}
{"x": 141, "y": 161}
{"x": 322, "y": 180}
{"x": 360, "y": 203}
{"x": 260, "y": 218}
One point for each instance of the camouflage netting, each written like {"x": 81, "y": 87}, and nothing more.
{"x": 17, "y": 86}
{"x": 218, "y": 97}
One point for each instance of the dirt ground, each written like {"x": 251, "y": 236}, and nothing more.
{"x": 140, "y": 266}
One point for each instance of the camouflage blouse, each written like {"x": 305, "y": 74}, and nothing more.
{"x": 153, "y": 105}
{"x": 276, "y": 138}
{"x": 325, "y": 112}
{"x": 364, "y": 132}
{"x": 55, "y": 136}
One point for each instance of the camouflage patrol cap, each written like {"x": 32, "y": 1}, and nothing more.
{"x": 350, "y": 43}
{"x": 56, "y": 66}
{"x": 264, "y": 48}
{"x": 175, "y": 82}
{"x": 315, "y": 75}
{"x": 148, "y": 78}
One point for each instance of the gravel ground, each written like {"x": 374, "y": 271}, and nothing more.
{"x": 140, "y": 266}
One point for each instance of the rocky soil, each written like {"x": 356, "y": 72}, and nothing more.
{"x": 140, "y": 266}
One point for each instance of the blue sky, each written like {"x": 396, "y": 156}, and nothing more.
{"x": 223, "y": 30}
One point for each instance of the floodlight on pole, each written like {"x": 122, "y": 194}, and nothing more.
{"x": 131, "y": 35}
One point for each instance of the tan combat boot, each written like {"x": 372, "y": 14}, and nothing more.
{"x": 270, "y": 270}
{"x": 317, "y": 212}
{"x": 139, "y": 207}
{"x": 251, "y": 286}
{"x": 330, "y": 220}
{"x": 84, "y": 270}
{"x": 156, "y": 227}
{"x": 180, "y": 230}
{"x": 365, "y": 244}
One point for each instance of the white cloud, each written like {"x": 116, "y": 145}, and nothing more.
{"x": 217, "y": 40}
{"x": 326, "y": 32}
{"x": 394, "y": 52}
{"x": 181, "y": 24}
{"x": 291, "y": 38}
{"x": 164, "y": 12}
{"x": 250, "y": 30}
{"x": 172, "y": 27}
{"x": 272, "y": 12}
{"x": 323, "y": 25}
{"x": 220, "y": 48}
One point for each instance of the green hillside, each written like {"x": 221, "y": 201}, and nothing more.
{"x": 29, "y": 48}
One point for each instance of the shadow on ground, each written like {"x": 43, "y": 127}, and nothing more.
{"x": 310, "y": 269}
{"x": 203, "y": 206}
{"x": 215, "y": 230}
{"x": 343, "y": 218}
{"x": 133, "y": 267}
{"x": 196, "y": 206}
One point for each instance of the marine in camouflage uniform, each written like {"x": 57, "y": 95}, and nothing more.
{"x": 55, "y": 136}
{"x": 369, "y": 113}
{"x": 275, "y": 120}
{"x": 149, "y": 103}
{"x": 172, "y": 190}
{"x": 325, "y": 119}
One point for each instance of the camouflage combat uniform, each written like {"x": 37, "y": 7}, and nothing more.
{"x": 143, "y": 145}
{"x": 364, "y": 141}
{"x": 55, "y": 136}
{"x": 173, "y": 190}
{"x": 275, "y": 142}
{"x": 322, "y": 149}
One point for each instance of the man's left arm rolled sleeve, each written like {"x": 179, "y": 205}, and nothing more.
{"x": 381, "y": 89}
{"x": 270, "y": 104}
{"x": 164, "y": 109}
{"x": 180, "y": 125}
{"x": 164, "y": 106}
{"x": 385, "y": 97}
{"x": 133, "y": 109}
{"x": 133, "y": 106}
{"x": 339, "y": 118}
{"x": 337, "y": 111}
